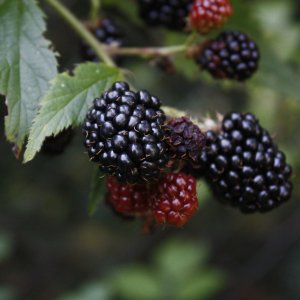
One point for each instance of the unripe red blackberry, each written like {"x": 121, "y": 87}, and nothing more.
{"x": 127, "y": 199}
{"x": 124, "y": 134}
{"x": 184, "y": 138}
{"x": 208, "y": 15}
{"x": 244, "y": 166}
{"x": 55, "y": 145}
{"x": 168, "y": 13}
{"x": 232, "y": 55}
{"x": 175, "y": 200}
{"x": 107, "y": 32}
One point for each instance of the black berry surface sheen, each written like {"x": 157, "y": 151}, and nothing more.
{"x": 107, "y": 33}
{"x": 232, "y": 55}
{"x": 168, "y": 13}
{"x": 124, "y": 134}
{"x": 244, "y": 167}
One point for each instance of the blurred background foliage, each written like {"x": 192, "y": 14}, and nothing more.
{"x": 51, "y": 249}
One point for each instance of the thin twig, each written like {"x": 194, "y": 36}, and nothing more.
{"x": 82, "y": 31}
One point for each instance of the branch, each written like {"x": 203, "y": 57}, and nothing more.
{"x": 82, "y": 31}
{"x": 205, "y": 123}
{"x": 147, "y": 51}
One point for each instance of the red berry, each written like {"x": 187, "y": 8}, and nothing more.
{"x": 127, "y": 199}
{"x": 176, "y": 199}
{"x": 207, "y": 15}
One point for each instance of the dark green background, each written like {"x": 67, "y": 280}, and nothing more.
{"x": 51, "y": 249}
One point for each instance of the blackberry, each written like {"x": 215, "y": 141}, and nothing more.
{"x": 171, "y": 14}
{"x": 232, "y": 55}
{"x": 127, "y": 199}
{"x": 107, "y": 32}
{"x": 184, "y": 138}
{"x": 175, "y": 200}
{"x": 55, "y": 145}
{"x": 207, "y": 15}
{"x": 244, "y": 166}
{"x": 124, "y": 134}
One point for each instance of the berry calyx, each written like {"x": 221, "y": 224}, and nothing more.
{"x": 124, "y": 134}
{"x": 184, "y": 138}
{"x": 232, "y": 55}
{"x": 244, "y": 166}
{"x": 171, "y": 14}
{"x": 127, "y": 199}
{"x": 208, "y": 15}
{"x": 176, "y": 199}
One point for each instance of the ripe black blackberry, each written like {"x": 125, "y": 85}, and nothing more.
{"x": 55, "y": 145}
{"x": 124, "y": 134}
{"x": 169, "y": 13}
{"x": 232, "y": 55}
{"x": 107, "y": 33}
{"x": 184, "y": 138}
{"x": 244, "y": 167}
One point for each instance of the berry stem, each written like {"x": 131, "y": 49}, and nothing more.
{"x": 82, "y": 31}
{"x": 205, "y": 124}
{"x": 147, "y": 51}
{"x": 95, "y": 6}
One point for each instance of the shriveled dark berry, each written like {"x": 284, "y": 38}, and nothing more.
{"x": 124, "y": 134}
{"x": 184, "y": 138}
{"x": 171, "y": 14}
{"x": 244, "y": 167}
{"x": 107, "y": 32}
{"x": 232, "y": 55}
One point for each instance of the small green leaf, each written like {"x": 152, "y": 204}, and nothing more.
{"x": 135, "y": 283}
{"x": 202, "y": 286}
{"x": 277, "y": 75}
{"x": 97, "y": 191}
{"x": 67, "y": 102}
{"x": 26, "y": 64}
{"x": 178, "y": 259}
{"x": 90, "y": 291}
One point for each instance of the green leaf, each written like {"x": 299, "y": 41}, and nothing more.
{"x": 202, "y": 286}
{"x": 96, "y": 192}
{"x": 67, "y": 102}
{"x": 277, "y": 75}
{"x": 6, "y": 246}
{"x": 26, "y": 64}
{"x": 178, "y": 259}
{"x": 91, "y": 291}
{"x": 135, "y": 283}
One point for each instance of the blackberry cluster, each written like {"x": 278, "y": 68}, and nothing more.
{"x": 232, "y": 55}
{"x": 207, "y": 15}
{"x": 55, "y": 145}
{"x": 107, "y": 33}
{"x": 124, "y": 134}
{"x": 169, "y": 13}
{"x": 184, "y": 138}
{"x": 244, "y": 167}
{"x": 175, "y": 200}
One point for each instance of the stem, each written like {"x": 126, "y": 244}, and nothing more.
{"x": 95, "y": 8}
{"x": 147, "y": 51}
{"x": 82, "y": 31}
{"x": 205, "y": 124}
